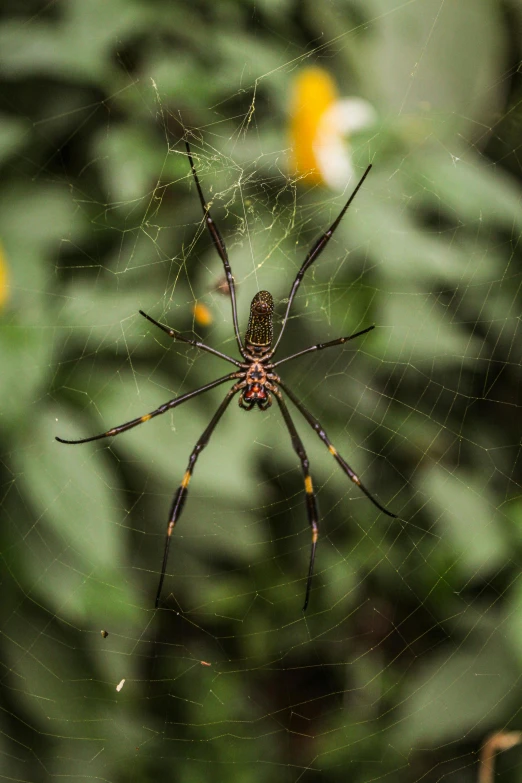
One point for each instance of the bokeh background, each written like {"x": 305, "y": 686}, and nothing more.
{"x": 410, "y": 654}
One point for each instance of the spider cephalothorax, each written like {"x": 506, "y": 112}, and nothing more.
{"x": 255, "y": 381}
{"x": 256, "y": 391}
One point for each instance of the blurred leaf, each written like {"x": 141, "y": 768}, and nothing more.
{"x": 467, "y": 519}
{"x": 470, "y": 191}
{"x": 417, "y": 331}
{"x": 34, "y": 221}
{"x": 100, "y": 317}
{"x": 427, "y": 40}
{"x": 404, "y": 253}
{"x": 25, "y": 357}
{"x": 73, "y": 494}
{"x": 133, "y": 163}
{"x": 460, "y": 692}
{"x": 79, "y": 45}
{"x": 13, "y": 133}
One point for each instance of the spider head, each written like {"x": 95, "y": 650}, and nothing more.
{"x": 260, "y": 332}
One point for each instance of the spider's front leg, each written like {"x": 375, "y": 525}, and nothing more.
{"x": 167, "y": 406}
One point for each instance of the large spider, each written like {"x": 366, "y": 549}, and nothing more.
{"x": 255, "y": 381}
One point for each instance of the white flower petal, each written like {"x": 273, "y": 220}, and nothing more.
{"x": 350, "y": 115}
{"x": 333, "y": 159}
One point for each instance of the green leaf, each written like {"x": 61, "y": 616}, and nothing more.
{"x": 467, "y": 520}
{"x": 418, "y": 55}
{"x": 132, "y": 162}
{"x": 416, "y": 330}
{"x": 74, "y": 501}
{"x": 25, "y": 357}
{"x": 79, "y": 45}
{"x": 471, "y": 192}
{"x": 459, "y": 692}
{"x": 14, "y": 132}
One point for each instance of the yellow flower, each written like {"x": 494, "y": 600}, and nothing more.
{"x": 320, "y": 126}
{"x": 4, "y": 287}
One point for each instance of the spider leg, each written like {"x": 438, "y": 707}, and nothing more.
{"x": 320, "y": 346}
{"x": 311, "y": 505}
{"x": 220, "y": 247}
{"x": 312, "y": 421}
{"x": 181, "y": 494}
{"x": 315, "y": 252}
{"x": 162, "y": 409}
{"x": 177, "y": 336}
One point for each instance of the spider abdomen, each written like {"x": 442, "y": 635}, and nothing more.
{"x": 260, "y": 331}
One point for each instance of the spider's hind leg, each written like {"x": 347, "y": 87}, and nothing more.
{"x": 316, "y": 426}
{"x": 181, "y": 494}
{"x": 311, "y": 503}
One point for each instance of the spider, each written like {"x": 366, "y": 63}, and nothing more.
{"x": 255, "y": 380}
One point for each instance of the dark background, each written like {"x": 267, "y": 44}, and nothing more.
{"x": 410, "y": 653}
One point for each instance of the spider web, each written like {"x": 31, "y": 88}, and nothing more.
{"x": 409, "y": 654}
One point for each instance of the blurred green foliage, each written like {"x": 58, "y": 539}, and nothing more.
{"x": 410, "y": 652}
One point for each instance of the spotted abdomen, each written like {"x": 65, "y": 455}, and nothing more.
{"x": 260, "y": 332}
